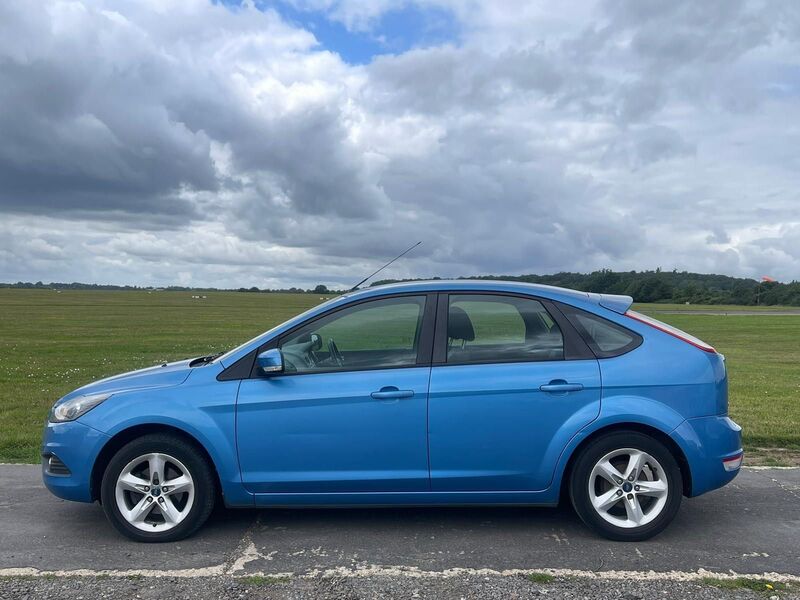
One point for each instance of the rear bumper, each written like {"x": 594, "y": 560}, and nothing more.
{"x": 709, "y": 444}
{"x": 76, "y": 445}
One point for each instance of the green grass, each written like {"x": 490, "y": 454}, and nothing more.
{"x": 658, "y": 306}
{"x": 51, "y": 343}
{"x": 763, "y": 359}
{"x": 745, "y": 583}
{"x": 537, "y": 577}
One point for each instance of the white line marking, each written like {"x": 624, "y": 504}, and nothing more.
{"x": 249, "y": 554}
{"x": 214, "y": 571}
{"x": 767, "y": 468}
{"x": 403, "y": 571}
{"x": 414, "y": 572}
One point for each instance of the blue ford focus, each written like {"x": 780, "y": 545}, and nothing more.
{"x": 432, "y": 393}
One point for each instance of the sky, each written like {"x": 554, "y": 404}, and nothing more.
{"x": 278, "y": 143}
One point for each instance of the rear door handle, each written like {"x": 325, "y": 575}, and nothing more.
{"x": 559, "y": 385}
{"x": 391, "y": 393}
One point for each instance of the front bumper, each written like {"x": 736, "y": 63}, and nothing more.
{"x": 77, "y": 446}
{"x": 710, "y": 445}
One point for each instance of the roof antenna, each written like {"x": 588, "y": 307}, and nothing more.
{"x": 368, "y": 277}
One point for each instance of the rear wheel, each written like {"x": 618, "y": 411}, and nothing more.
{"x": 158, "y": 488}
{"x": 626, "y": 486}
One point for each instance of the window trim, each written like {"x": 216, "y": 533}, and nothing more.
{"x": 575, "y": 347}
{"x": 424, "y": 349}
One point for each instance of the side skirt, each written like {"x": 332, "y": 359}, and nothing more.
{"x": 347, "y": 499}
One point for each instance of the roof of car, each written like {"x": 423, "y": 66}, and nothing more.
{"x": 471, "y": 285}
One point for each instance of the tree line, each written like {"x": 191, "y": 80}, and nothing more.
{"x": 643, "y": 286}
{"x": 320, "y": 289}
{"x": 669, "y": 286}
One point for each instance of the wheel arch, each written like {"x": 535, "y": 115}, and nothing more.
{"x": 119, "y": 439}
{"x": 657, "y": 434}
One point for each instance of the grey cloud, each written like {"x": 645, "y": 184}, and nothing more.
{"x": 223, "y": 146}
{"x": 640, "y": 100}
{"x": 659, "y": 143}
{"x": 670, "y": 34}
{"x": 638, "y": 146}
{"x": 122, "y": 120}
{"x": 76, "y": 138}
{"x": 718, "y": 236}
{"x": 449, "y": 78}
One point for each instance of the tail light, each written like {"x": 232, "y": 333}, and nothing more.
{"x": 669, "y": 329}
{"x": 733, "y": 463}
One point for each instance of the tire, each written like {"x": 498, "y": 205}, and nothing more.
{"x": 181, "y": 495}
{"x": 656, "y": 489}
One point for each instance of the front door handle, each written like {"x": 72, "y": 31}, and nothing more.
{"x": 561, "y": 386}
{"x": 391, "y": 393}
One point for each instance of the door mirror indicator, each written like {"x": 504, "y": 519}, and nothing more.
{"x": 270, "y": 362}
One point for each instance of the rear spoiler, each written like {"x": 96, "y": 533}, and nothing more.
{"x": 619, "y": 304}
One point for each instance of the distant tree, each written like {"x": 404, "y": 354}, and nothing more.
{"x": 649, "y": 289}
{"x": 645, "y": 286}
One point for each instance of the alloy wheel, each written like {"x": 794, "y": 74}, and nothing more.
{"x": 628, "y": 488}
{"x": 154, "y": 492}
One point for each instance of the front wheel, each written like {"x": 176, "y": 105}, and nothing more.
{"x": 626, "y": 486}
{"x": 158, "y": 488}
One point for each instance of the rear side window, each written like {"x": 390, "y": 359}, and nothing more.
{"x": 606, "y": 339}
{"x": 485, "y": 328}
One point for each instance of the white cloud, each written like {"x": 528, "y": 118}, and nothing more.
{"x": 170, "y": 141}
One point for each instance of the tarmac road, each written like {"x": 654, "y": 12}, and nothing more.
{"x": 752, "y": 526}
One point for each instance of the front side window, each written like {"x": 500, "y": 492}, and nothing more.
{"x": 371, "y": 335}
{"x": 489, "y": 328}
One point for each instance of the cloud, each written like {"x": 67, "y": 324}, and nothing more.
{"x": 143, "y": 140}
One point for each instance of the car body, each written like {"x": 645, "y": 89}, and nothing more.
{"x": 445, "y": 392}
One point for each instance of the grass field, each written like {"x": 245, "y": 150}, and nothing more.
{"x": 728, "y": 308}
{"x": 51, "y": 343}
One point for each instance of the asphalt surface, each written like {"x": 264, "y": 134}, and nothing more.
{"x": 751, "y": 526}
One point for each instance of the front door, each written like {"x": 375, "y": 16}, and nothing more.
{"x": 505, "y": 401}
{"x": 349, "y": 413}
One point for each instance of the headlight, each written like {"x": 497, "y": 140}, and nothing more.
{"x": 75, "y": 407}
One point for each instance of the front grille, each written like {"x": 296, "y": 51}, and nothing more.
{"x": 55, "y": 466}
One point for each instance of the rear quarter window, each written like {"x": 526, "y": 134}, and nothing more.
{"x": 606, "y": 339}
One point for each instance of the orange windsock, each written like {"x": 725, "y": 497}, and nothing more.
{"x": 767, "y": 278}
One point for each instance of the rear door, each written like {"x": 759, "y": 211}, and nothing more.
{"x": 511, "y": 383}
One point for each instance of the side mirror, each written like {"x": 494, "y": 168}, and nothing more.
{"x": 270, "y": 361}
